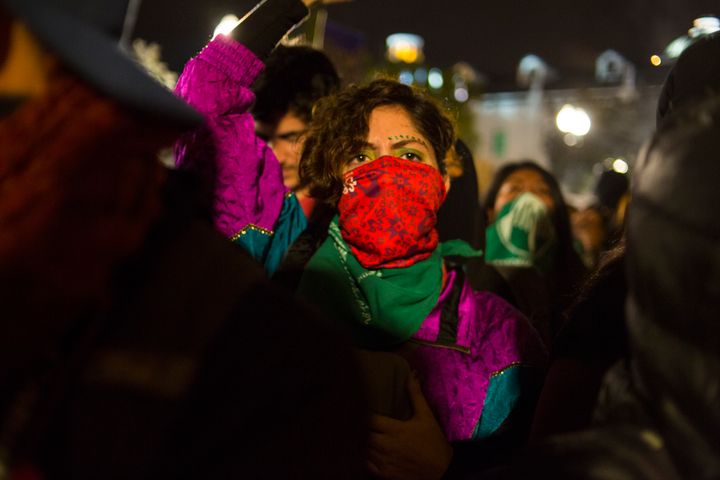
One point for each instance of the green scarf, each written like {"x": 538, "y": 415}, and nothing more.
{"x": 378, "y": 308}
{"x": 522, "y": 235}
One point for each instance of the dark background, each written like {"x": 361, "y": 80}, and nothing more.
{"x": 491, "y": 36}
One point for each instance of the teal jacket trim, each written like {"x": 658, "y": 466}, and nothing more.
{"x": 269, "y": 248}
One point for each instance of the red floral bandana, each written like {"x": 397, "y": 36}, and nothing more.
{"x": 388, "y": 212}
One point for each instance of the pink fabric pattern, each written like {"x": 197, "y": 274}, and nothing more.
{"x": 249, "y": 190}
{"x": 491, "y": 336}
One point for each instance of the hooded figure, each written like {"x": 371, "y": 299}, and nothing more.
{"x": 696, "y": 75}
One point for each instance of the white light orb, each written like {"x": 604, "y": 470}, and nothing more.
{"x": 620, "y": 166}
{"x": 575, "y": 120}
{"x": 435, "y": 78}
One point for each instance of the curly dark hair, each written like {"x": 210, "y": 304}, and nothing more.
{"x": 293, "y": 80}
{"x": 340, "y": 128}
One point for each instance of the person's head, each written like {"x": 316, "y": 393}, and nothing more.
{"x": 695, "y": 77}
{"x": 363, "y": 123}
{"x": 79, "y": 159}
{"x": 514, "y": 179}
{"x": 293, "y": 80}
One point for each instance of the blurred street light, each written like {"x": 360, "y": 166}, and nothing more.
{"x": 406, "y": 77}
{"x": 435, "y": 78}
{"x": 704, "y": 26}
{"x": 405, "y": 47}
{"x": 620, "y": 166}
{"x": 533, "y": 72}
{"x": 574, "y": 120}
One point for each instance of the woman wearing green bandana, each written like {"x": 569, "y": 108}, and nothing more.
{"x": 375, "y": 156}
{"x": 528, "y": 236}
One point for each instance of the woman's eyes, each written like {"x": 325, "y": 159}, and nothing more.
{"x": 360, "y": 158}
{"x": 407, "y": 155}
{"x": 411, "y": 156}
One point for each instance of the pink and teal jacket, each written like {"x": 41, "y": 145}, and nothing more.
{"x": 251, "y": 205}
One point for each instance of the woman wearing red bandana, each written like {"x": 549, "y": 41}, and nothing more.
{"x": 376, "y": 153}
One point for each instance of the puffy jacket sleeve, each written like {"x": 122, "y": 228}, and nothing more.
{"x": 251, "y": 206}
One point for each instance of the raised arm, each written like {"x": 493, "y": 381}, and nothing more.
{"x": 251, "y": 205}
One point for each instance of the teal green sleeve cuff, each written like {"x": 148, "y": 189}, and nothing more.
{"x": 269, "y": 248}
{"x": 507, "y": 389}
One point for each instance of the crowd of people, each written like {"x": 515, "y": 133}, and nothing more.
{"x": 317, "y": 291}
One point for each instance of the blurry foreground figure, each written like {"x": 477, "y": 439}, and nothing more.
{"x": 135, "y": 341}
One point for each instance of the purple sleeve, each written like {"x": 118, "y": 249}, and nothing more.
{"x": 248, "y": 180}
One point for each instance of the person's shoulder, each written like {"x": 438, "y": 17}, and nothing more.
{"x": 496, "y": 320}
{"x": 493, "y": 305}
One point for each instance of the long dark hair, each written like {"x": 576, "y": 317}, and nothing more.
{"x": 568, "y": 270}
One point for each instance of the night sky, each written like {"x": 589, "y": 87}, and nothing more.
{"x": 491, "y": 36}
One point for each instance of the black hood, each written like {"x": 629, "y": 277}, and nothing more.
{"x": 695, "y": 76}
{"x": 673, "y": 270}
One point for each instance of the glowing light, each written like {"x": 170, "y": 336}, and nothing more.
{"x": 406, "y": 77}
{"x": 461, "y": 94}
{"x": 570, "y": 140}
{"x": 656, "y": 60}
{"x": 435, "y": 78}
{"x": 226, "y": 25}
{"x": 404, "y": 47}
{"x": 421, "y": 76}
{"x": 575, "y": 120}
{"x": 677, "y": 46}
{"x": 704, "y": 26}
{"x": 620, "y": 165}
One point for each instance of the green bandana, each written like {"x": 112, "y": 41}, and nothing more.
{"x": 378, "y": 308}
{"x": 522, "y": 235}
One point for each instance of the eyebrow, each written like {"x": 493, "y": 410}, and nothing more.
{"x": 404, "y": 140}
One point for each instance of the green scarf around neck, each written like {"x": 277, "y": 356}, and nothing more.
{"x": 377, "y": 308}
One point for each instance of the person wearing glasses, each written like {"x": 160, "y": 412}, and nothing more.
{"x": 285, "y": 93}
